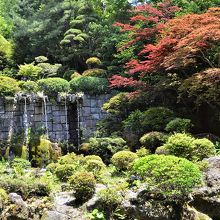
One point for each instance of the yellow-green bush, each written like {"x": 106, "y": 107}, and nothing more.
{"x": 142, "y": 152}
{"x": 29, "y": 71}
{"x": 3, "y": 196}
{"x": 94, "y": 165}
{"x": 83, "y": 184}
{"x": 8, "y": 86}
{"x": 93, "y": 61}
{"x": 93, "y": 157}
{"x": 67, "y": 159}
{"x": 63, "y": 172}
{"x": 123, "y": 159}
{"x": 94, "y": 72}
{"x": 52, "y": 167}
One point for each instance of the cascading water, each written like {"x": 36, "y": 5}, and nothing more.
{"x": 11, "y": 125}
{"x": 25, "y": 122}
{"x": 45, "y": 115}
{"x": 78, "y": 122}
{"x": 66, "y": 123}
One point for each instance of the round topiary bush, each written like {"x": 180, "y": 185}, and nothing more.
{"x": 94, "y": 72}
{"x": 162, "y": 150}
{"x": 8, "y": 86}
{"x": 178, "y": 125}
{"x": 152, "y": 140}
{"x": 93, "y": 157}
{"x": 94, "y": 166}
{"x": 170, "y": 176}
{"x": 89, "y": 84}
{"x": 123, "y": 159}
{"x": 83, "y": 184}
{"x": 93, "y": 61}
{"x": 203, "y": 148}
{"x": 67, "y": 159}
{"x": 142, "y": 152}
{"x": 29, "y": 86}
{"x": 53, "y": 86}
{"x": 184, "y": 145}
{"x": 63, "y": 172}
{"x": 180, "y": 145}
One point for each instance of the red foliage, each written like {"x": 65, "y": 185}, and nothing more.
{"x": 181, "y": 43}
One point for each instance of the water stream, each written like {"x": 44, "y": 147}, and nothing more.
{"x": 66, "y": 123}
{"x": 11, "y": 124}
{"x": 78, "y": 123}
{"x": 45, "y": 115}
{"x": 25, "y": 122}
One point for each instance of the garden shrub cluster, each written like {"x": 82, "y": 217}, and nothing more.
{"x": 171, "y": 176}
{"x": 89, "y": 85}
{"x": 8, "y": 86}
{"x": 184, "y": 145}
{"x": 83, "y": 184}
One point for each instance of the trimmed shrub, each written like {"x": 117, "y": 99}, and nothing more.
{"x": 29, "y": 71}
{"x": 29, "y": 86}
{"x": 170, "y": 176}
{"x": 52, "y": 167}
{"x": 156, "y": 118}
{"x": 67, "y": 159}
{"x": 152, "y": 140}
{"x": 90, "y": 85}
{"x": 94, "y": 72}
{"x": 142, "y": 152}
{"x": 93, "y": 61}
{"x": 162, "y": 150}
{"x": 93, "y": 157}
{"x": 179, "y": 125}
{"x": 83, "y": 184}
{"x": 75, "y": 75}
{"x": 94, "y": 166}
{"x": 63, "y": 172}
{"x": 203, "y": 148}
{"x": 104, "y": 147}
{"x": 123, "y": 159}
{"x": 53, "y": 86}
{"x": 22, "y": 163}
{"x": 183, "y": 145}
{"x": 8, "y": 86}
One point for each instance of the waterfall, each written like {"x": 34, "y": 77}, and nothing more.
{"x": 66, "y": 123}
{"x": 11, "y": 124}
{"x": 78, "y": 123}
{"x": 25, "y": 122}
{"x": 45, "y": 115}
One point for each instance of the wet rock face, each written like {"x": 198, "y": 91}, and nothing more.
{"x": 207, "y": 198}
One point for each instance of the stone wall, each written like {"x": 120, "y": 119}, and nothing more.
{"x": 63, "y": 122}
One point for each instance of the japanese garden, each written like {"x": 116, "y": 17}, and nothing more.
{"x": 109, "y": 110}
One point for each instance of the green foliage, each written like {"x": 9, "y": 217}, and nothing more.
{"x": 171, "y": 176}
{"x": 22, "y": 163}
{"x": 179, "y": 125}
{"x": 94, "y": 166}
{"x": 154, "y": 119}
{"x": 123, "y": 159}
{"x": 183, "y": 145}
{"x": 67, "y": 159}
{"x": 93, "y": 62}
{"x": 110, "y": 197}
{"x": 93, "y": 157}
{"x": 152, "y": 140}
{"x": 162, "y": 150}
{"x": 94, "y": 72}
{"x": 142, "y": 152}
{"x": 63, "y": 172}
{"x": 104, "y": 147}
{"x": 3, "y": 197}
{"x": 48, "y": 70}
{"x": 96, "y": 215}
{"x": 29, "y": 86}
{"x": 53, "y": 86}
{"x": 8, "y": 86}
{"x": 90, "y": 85}
{"x": 52, "y": 167}
{"x": 29, "y": 71}
{"x": 83, "y": 184}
